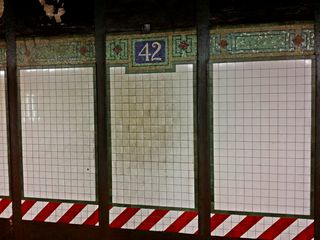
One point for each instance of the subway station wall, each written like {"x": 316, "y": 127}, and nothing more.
{"x": 57, "y": 117}
{"x": 262, "y": 136}
{"x": 261, "y": 130}
{"x": 152, "y": 130}
{"x": 4, "y": 169}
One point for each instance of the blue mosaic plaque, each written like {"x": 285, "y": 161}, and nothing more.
{"x": 150, "y": 52}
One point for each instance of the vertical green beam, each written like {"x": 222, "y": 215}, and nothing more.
{"x": 317, "y": 125}
{"x": 14, "y": 123}
{"x": 202, "y": 16}
{"x": 101, "y": 115}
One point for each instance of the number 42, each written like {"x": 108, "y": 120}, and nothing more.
{"x": 145, "y": 52}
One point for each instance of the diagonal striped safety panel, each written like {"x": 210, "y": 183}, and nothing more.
{"x": 162, "y": 220}
{"x": 5, "y": 208}
{"x": 154, "y": 220}
{"x": 229, "y": 226}
{"x": 60, "y": 212}
{"x": 259, "y": 227}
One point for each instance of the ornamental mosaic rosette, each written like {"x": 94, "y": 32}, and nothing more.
{"x": 117, "y": 49}
{"x": 183, "y": 45}
{"x": 298, "y": 40}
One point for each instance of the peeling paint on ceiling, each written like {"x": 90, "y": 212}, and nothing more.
{"x": 1, "y": 7}
{"x": 54, "y": 9}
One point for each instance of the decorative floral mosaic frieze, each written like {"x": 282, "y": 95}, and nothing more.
{"x": 151, "y": 52}
{"x": 184, "y": 45}
{"x": 308, "y": 39}
{"x": 2, "y": 54}
{"x": 55, "y": 51}
{"x": 117, "y": 50}
{"x": 262, "y": 41}
{"x": 215, "y": 44}
{"x": 255, "y": 41}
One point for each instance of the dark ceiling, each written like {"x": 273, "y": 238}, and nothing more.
{"x": 130, "y": 15}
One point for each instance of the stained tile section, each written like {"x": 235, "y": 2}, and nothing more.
{"x": 262, "y": 136}
{"x": 152, "y": 137}
{"x": 57, "y": 110}
{"x": 4, "y": 171}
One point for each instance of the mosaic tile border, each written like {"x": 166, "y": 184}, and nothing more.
{"x": 180, "y": 47}
{"x": 255, "y": 41}
{"x": 55, "y": 51}
{"x": 262, "y": 41}
{"x": 3, "y": 54}
{"x": 236, "y": 42}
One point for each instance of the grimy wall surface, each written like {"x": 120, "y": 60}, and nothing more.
{"x": 261, "y": 127}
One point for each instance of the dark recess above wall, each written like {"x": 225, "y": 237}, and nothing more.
{"x": 130, "y": 15}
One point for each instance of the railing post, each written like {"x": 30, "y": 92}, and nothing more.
{"x": 14, "y": 123}
{"x": 101, "y": 117}
{"x": 202, "y": 118}
{"x": 317, "y": 125}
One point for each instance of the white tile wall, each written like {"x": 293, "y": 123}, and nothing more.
{"x": 262, "y": 136}
{"x": 152, "y": 137}
{"x": 4, "y": 172}
{"x": 57, "y": 110}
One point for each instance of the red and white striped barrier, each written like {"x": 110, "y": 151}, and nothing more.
{"x": 232, "y": 226}
{"x": 258, "y": 227}
{"x": 58, "y": 212}
{"x": 5, "y": 208}
{"x": 154, "y": 220}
